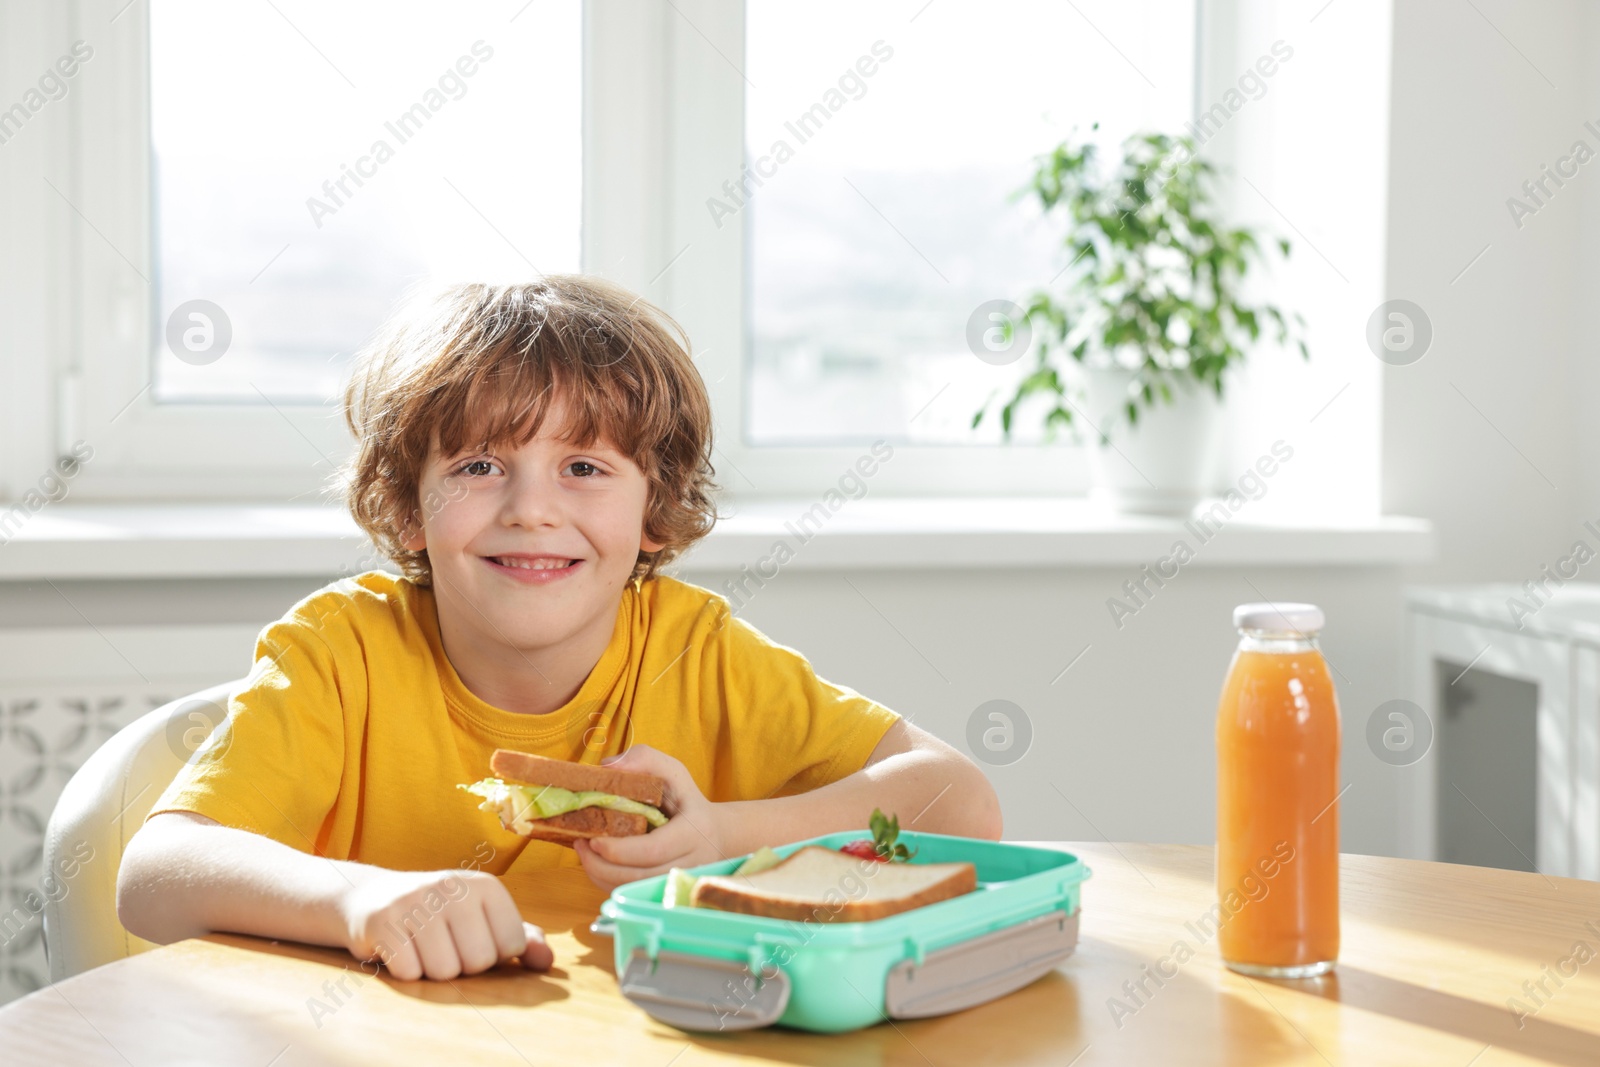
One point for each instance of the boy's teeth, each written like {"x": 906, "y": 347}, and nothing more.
{"x": 535, "y": 565}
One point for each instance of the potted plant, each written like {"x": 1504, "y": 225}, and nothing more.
{"x": 1147, "y": 322}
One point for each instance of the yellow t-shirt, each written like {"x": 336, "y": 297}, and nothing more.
{"x": 353, "y": 729}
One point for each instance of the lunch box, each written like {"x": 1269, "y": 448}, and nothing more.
{"x": 703, "y": 969}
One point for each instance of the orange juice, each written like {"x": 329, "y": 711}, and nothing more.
{"x": 1277, "y": 798}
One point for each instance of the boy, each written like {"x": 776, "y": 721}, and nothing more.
{"x": 530, "y": 456}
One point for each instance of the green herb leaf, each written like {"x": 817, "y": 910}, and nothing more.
{"x": 885, "y": 831}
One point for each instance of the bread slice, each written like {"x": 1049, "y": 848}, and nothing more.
{"x": 569, "y": 826}
{"x": 578, "y": 777}
{"x": 821, "y": 885}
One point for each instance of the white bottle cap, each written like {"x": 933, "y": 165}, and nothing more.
{"x": 1303, "y": 619}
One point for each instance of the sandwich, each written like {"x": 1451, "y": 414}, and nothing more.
{"x": 825, "y": 885}
{"x": 553, "y": 800}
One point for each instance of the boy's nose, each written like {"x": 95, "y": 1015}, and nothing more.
{"x": 533, "y": 501}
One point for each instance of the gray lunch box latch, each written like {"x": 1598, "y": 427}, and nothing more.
{"x": 980, "y": 969}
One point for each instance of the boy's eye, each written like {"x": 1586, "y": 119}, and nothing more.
{"x": 484, "y": 467}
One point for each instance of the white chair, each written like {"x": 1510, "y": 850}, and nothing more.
{"x": 104, "y": 803}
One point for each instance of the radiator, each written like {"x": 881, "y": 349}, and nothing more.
{"x": 63, "y": 692}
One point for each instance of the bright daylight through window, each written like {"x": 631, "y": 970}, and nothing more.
{"x": 883, "y": 215}
{"x": 301, "y": 190}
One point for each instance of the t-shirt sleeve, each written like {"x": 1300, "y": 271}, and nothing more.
{"x": 273, "y": 766}
{"x": 790, "y": 731}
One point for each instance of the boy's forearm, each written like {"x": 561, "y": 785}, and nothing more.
{"x": 188, "y": 879}
{"x": 926, "y": 790}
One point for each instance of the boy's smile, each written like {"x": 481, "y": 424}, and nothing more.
{"x": 530, "y": 548}
{"x": 540, "y": 570}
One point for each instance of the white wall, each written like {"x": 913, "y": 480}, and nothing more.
{"x": 1127, "y": 733}
{"x": 1585, "y": 382}
{"x": 1472, "y": 120}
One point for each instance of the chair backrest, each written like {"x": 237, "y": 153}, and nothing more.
{"x": 102, "y": 807}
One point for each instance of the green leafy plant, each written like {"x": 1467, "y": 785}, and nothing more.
{"x": 1154, "y": 279}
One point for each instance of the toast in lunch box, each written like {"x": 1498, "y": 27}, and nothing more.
{"x": 823, "y": 885}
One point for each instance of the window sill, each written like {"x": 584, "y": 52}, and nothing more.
{"x": 93, "y": 541}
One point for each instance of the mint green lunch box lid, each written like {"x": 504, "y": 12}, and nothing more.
{"x": 702, "y": 969}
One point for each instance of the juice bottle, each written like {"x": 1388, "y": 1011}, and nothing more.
{"x": 1277, "y": 798}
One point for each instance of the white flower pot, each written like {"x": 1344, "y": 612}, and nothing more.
{"x": 1161, "y": 465}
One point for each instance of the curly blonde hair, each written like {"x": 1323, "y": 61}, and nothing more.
{"x": 482, "y": 364}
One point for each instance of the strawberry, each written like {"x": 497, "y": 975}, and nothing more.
{"x": 883, "y": 846}
{"x": 862, "y": 849}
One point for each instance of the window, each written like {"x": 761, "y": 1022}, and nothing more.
{"x": 310, "y": 162}
{"x": 199, "y": 152}
{"x": 277, "y": 176}
{"x": 892, "y": 137}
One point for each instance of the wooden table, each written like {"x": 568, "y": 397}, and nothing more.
{"x": 1432, "y": 954}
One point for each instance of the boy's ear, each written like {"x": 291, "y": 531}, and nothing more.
{"x": 412, "y": 537}
{"x": 645, "y": 542}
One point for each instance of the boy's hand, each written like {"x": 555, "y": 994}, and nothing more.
{"x": 692, "y": 836}
{"x": 439, "y": 924}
